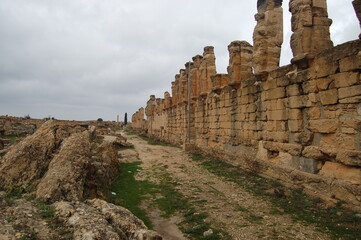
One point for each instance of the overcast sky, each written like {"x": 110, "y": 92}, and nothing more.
{"x": 85, "y": 59}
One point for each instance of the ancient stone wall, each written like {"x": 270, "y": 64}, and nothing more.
{"x": 301, "y": 122}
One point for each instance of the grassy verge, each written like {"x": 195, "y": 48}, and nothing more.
{"x": 130, "y": 193}
{"x": 338, "y": 222}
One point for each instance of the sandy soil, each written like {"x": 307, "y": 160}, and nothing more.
{"x": 230, "y": 208}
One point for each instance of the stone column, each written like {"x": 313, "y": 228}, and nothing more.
{"x": 267, "y": 36}
{"x": 311, "y": 29}
{"x": 150, "y": 108}
{"x": 177, "y": 88}
{"x": 174, "y": 94}
{"x": 167, "y": 100}
{"x": 240, "y": 61}
{"x": 357, "y": 6}
{"x": 195, "y": 76}
{"x": 183, "y": 85}
{"x": 207, "y": 69}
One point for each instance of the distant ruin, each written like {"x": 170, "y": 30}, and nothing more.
{"x": 302, "y": 122}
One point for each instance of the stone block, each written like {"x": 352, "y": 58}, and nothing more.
{"x": 297, "y": 101}
{"x": 325, "y": 66}
{"x": 293, "y": 149}
{"x": 329, "y": 97}
{"x": 339, "y": 171}
{"x": 350, "y": 63}
{"x": 281, "y": 136}
{"x": 323, "y": 125}
{"x": 276, "y": 104}
{"x": 351, "y": 100}
{"x": 262, "y": 153}
{"x": 285, "y": 159}
{"x": 270, "y": 84}
{"x": 251, "y": 108}
{"x": 349, "y": 158}
{"x": 283, "y": 82}
{"x": 310, "y": 165}
{"x": 312, "y": 100}
{"x": 295, "y": 125}
{"x": 349, "y": 92}
{"x": 346, "y": 79}
{"x": 310, "y": 87}
{"x": 314, "y": 113}
{"x": 346, "y": 141}
{"x": 304, "y": 138}
{"x": 277, "y": 115}
{"x": 314, "y": 152}
{"x": 328, "y": 140}
{"x": 300, "y": 163}
{"x": 319, "y": 4}
{"x": 293, "y": 90}
{"x": 295, "y": 114}
{"x": 276, "y": 93}
{"x": 324, "y": 83}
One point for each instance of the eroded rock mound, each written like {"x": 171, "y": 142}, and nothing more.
{"x": 66, "y": 163}
{"x": 97, "y": 219}
{"x": 28, "y": 160}
{"x": 67, "y": 171}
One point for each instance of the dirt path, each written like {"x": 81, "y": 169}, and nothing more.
{"x": 230, "y": 208}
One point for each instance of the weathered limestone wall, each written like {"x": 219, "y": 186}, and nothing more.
{"x": 300, "y": 123}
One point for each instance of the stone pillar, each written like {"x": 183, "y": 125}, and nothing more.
{"x": 167, "y": 100}
{"x": 240, "y": 61}
{"x": 357, "y": 6}
{"x": 207, "y": 69}
{"x": 183, "y": 80}
{"x": 177, "y": 89}
{"x": 311, "y": 29}
{"x": 195, "y": 76}
{"x": 267, "y": 36}
{"x": 150, "y": 108}
{"x": 189, "y": 71}
{"x": 174, "y": 94}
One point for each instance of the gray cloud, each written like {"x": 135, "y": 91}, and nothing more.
{"x": 84, "y": 59}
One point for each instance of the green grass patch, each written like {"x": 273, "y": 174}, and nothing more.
{"x": 46, "y": 211}
{"x": 337, "y": 221}
{"x": 130, "y": 193}
{"x": 122, "y": 148}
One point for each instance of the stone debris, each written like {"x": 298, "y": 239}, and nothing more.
{"x": 96, "y": 219}
{"x": 208, "y": 233}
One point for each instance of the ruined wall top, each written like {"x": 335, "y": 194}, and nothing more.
{"x": 264, "y": 5}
